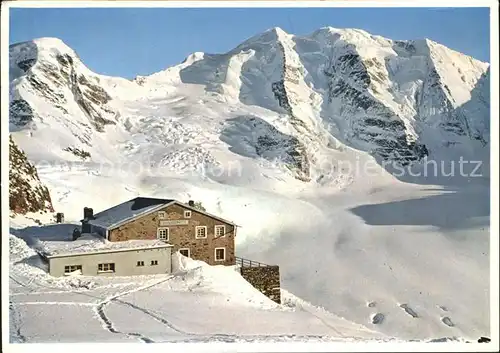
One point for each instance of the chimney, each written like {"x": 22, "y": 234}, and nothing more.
{"x": 76, "y": 233}
{"x": 191, "y": 203}
{"x": 88, "y": 213}
{"x": 59, "y": 217}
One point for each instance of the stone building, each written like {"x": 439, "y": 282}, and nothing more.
{"x": 191, "y": 231}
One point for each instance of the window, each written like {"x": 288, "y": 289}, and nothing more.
{"x": 106, "y": 267}
{"x": 220, "y": 254}
{"x": 201, "y": 232}
{"x": 220, "y": 231}
{"x": 187, "y": 214}
{"x": 154, "y": 262}
{"x": 72, "y": 268}
{"x": 162, "y": 234}
{"x": 185, "y": 252}
{"x": 140, "y": 263}
{"x": 161, "y": 214}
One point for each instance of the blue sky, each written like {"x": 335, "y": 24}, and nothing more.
{"x": 139, "y": 41}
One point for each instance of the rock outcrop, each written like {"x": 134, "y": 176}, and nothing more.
{"x": 27, "y": 194}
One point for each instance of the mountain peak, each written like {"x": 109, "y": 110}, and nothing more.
{"x": 193, "y": 57}
{"x": 40, "y": 48}
{"x": 270, "y": 35}
{"x": 330, "y": 29}
{"x": 50, "y": 43}
{"x": 277, "y": 30}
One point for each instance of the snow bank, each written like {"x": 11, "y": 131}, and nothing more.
{"x": 183, "y": 264}
{"x": 29, "y": 271}
{"x": 226, "y": 280}
{"x": 18, "y": 249}
{"x": 92, "y": 243}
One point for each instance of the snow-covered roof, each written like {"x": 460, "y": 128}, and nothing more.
{"x": 90, "y": 243}
{"x": 127, "y": 210}
{"x": 139, "y": 206}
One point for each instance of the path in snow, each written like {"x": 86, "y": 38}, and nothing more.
{"x": 15, "y": 325}
{"x": 108, "y": 324}
{"x": 33, "y": 298}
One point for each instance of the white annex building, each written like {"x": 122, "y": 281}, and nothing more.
{"x": 93, "y": 256}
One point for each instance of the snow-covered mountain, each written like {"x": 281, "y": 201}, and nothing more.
{"x": 290, "y": 137}
{"x": 397, "y": 100}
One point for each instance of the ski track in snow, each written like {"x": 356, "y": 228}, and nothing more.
{"x": 228, "y": 338}
{"x": 340, "y": 334}
{"x": 155, "y": 317}
{"x": 108, "y": 324}
{"x": 215, "y": 337}
{"x": 57, "y": 303}
{"x": 24, "y": 285}
{"x": 99, "y": 309}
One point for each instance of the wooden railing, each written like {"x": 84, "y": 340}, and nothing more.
{"x": 249, "y": 263}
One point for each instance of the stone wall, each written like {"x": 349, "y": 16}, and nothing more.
{"x": 182, "y": 236}
{"x": 265, "y": 279}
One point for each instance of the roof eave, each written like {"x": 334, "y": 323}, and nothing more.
{"x": 107, "y": 251}
{"x": 117, "y": 224}
{"x": 205, "y": 213}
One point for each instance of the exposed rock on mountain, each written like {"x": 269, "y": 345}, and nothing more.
{"x": 53, "y": 73}
{"x": 26, "y": 192}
